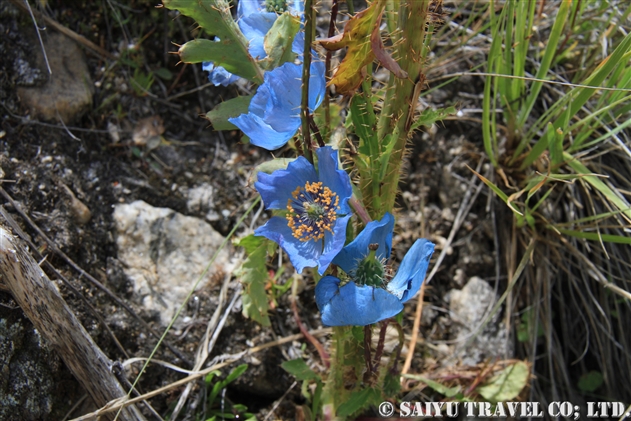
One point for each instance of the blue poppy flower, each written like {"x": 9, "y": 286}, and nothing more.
{"x": 274, "y": 113}
{"x": 313, "y": 228}
{"x": 367, "y": 297}
{"x": 255, "y": 19}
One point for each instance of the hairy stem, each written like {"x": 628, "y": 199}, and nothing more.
{"x": 402, "y": 94}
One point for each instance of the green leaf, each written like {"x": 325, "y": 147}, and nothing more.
{"x": 269, "y": 167}
{"x": 234, "y": 107}
{"x": 448, "y": 392}
{"x": 507, "y": 384}
{"x": 215, "y": 18}
{"x": 299, "y": 369}
{"x": 221, "y": 53}
{"x": 591, "y": 381}
{"x": 163, "y": 73}
{"x": 278, "y": 41}
{"x": 253, "y": 275}
{"x": 234, "y": 374}
{"x": 358, "y": 400}
{"x": 430, "y": 116}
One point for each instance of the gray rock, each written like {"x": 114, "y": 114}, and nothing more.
{"x": 163, "y": 253}
{"x": 468, "y": 308}
{"x": 68, "y": 90}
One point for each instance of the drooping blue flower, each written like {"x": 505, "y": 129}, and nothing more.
{"x": 368, "y": 297}
{"x": 313, "y": 229}
{"x": 255, "y": 18}
{"x": 218, "y": 75}
{"x": 274, "y": 113}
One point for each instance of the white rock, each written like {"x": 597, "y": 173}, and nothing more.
{"x": 468, "y": 308}
{"x": 164, "y": 253}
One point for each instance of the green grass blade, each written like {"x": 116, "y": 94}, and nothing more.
{"x": 595, "y": 236}
{"x": 605, "y": 190}
{"x": 581, "y": 95}
{"x": 544, "y": 66}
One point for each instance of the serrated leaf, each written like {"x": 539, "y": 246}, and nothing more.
{"x": 253, "y": 275}
{"x": 278, "y": 41}
{"x": 299, "y": 369}
{"x": 358, "y": 400}
{"x": 269, "y": 167}
{"x": 215, "y": 18}
{"x": 507, "y": 384}
{"x": 430, "y": 116}
{"x": 234, "y": 107}
{"x": 356, "y": 37}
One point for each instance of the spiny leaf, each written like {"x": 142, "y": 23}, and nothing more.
{"x": 253, "y": 275}
{"x": 430, "y": 116}
{"x": 356, "y": 37}
{"x": 278, "y": 41}
{"x": 382, "y": 55}
{"x": 221, "y": 53}
{"x": 215, "y": 18}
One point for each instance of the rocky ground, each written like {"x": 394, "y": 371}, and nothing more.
{"x": 137, "y": 190}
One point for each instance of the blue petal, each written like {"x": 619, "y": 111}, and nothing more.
{"x": 274, "y": 114}
{"x": 332, "y": 177}
{"x": 353, "y": 305}
{"x": 317, "y": 84}
{"x": 411, "y": 273}
{"x": 260, "y": 133}
{"x": 298, "y": 44}
{"x": 296, "y": 7}
{"x": 333, "y": 243}
{"x": 254, "y": 28}
{"x": 218, "y": 75}
{"x": 276, "y": 188}
{"x": 379, "y": 232}
{"x": 301, "y": 253}
{"x": 247, "y": 7}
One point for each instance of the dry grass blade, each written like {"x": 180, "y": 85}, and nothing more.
{"x": 123, "y": 402}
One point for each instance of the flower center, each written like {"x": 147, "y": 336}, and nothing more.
{"x": 278, "y": 6}
{"x": 370, "y": 270}
{"x": 312, "y": 211}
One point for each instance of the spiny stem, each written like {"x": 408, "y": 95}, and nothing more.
{"x": 306, "y": 65}
{"x": 401, "y": 93}
{"x": 316, "y": 132}
{"x": 327, "y": 94}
